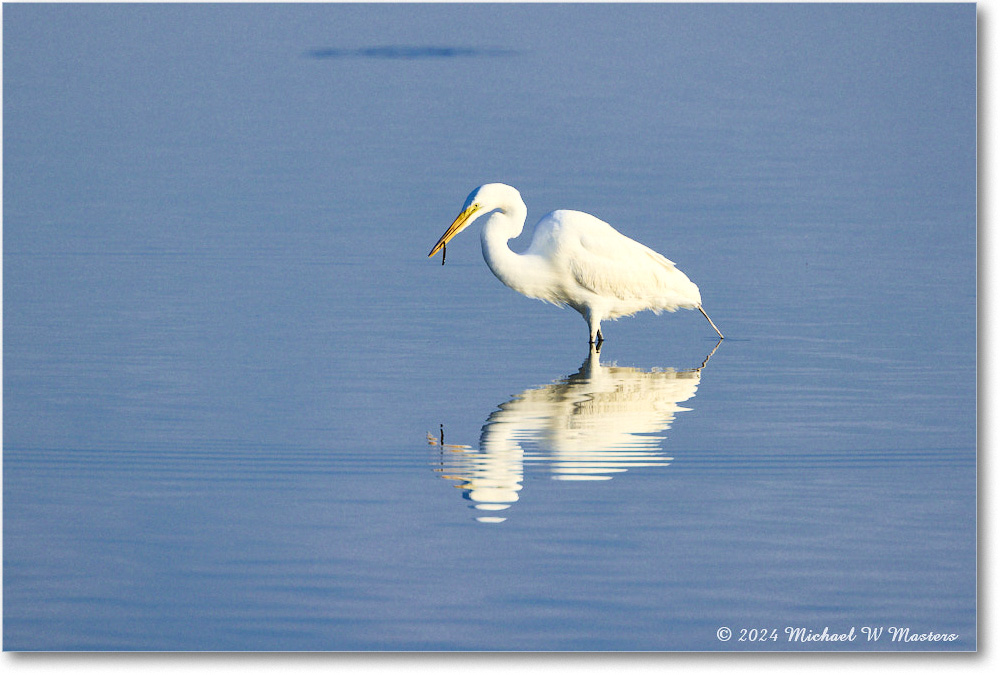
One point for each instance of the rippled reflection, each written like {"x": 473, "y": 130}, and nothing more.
{"x": 591, "y": 425}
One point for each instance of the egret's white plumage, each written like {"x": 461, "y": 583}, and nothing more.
{"x": 574, "y": 259}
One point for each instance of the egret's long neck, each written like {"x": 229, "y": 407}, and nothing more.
{"x": 501, "y": 227}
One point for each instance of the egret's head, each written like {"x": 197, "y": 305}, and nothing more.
{"x": 483, "y": 199}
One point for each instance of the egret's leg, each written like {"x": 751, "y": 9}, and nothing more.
{"x": 721, "y": 336}
{"x": 594, "y": 324}
{"x": 595, "y": 345}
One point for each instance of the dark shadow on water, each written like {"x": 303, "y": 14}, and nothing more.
{"x": 408, "y": 52}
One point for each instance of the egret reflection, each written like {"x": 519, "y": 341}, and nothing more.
{"x": 590, "y": 426}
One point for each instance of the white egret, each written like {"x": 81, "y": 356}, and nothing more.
{"x": 575, "y": 260}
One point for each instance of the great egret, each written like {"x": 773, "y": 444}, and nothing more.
{"x": 574, "y": 259}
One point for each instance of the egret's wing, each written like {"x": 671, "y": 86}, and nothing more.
{"x": 607, "y": 263}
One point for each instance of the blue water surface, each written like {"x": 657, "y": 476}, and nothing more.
{"x": 243, "y": 411}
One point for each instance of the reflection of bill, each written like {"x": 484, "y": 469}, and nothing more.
{"x": 600, "y": 421}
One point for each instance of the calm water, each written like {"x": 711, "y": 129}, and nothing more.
{"x": 242, "y": 410}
